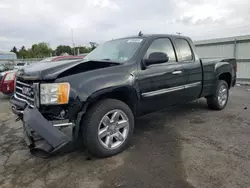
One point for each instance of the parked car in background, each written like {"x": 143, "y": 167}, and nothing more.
{"x": 2, "y": 68}
{"x": 83, "y": 54}
{"x": 6, "y": 66}
{"x": 62, "y": 58}
{"x": 21, "y": 65}
{"x": 7, "y": 82}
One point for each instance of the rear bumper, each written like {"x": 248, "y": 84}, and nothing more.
{"x": 7, "y": 87}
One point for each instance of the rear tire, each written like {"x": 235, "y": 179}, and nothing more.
{"x": 101, "y": 124}
{"x": 219, "y": 100}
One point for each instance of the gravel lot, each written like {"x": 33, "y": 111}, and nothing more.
{"x": 186, "y": 146}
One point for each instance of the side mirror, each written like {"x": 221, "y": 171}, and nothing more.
{"x": 156, "y": 58}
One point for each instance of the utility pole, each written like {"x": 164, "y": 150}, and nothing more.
{"x": 73, "y": 44}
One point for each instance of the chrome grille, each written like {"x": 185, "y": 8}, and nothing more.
{"x": 24, "y": 91}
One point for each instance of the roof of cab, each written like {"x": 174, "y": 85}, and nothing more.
{"x": 152, "y": 36}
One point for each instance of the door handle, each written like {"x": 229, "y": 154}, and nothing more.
{"x": 177, "y": 72}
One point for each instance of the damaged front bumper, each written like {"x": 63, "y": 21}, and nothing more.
{"x": 42, "y": 136}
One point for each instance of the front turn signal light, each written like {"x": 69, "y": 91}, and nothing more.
{"x": 63, "y": 93}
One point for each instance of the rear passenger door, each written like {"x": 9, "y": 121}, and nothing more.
{"x": 191, "y": 66}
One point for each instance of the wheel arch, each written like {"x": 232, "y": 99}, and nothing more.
{"x": 126, "y": 94}
{"x": 227, "y": 77}
{"x": 223, "y": 71}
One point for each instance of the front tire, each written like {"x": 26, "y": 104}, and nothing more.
{"x": 108, "y": 127}
{"x": 219, "y": 100}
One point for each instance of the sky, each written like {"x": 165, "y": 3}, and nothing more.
{"x": 26, "y": 22}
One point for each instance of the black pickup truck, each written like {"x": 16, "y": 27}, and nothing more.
{"x": 97, "y": 99}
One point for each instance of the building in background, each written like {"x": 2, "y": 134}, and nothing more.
{"x": 7, "y": 55}
{"x": 236, "y": 47}
{"x": 7, "y": 60}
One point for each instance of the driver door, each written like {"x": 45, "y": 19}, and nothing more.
{"x": 161, "y": 85}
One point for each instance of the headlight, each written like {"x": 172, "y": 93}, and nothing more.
{"x": 57, "y": 93}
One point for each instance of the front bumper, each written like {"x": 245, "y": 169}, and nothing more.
{"x": 45, "y": 137}
{"x": 34, "y": 119}
{"x": 42, "y": 137}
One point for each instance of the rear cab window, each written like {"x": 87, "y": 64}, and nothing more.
{"x": 184, "y": 51}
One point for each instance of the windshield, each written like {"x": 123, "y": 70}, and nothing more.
{"x": 120, "y": 50}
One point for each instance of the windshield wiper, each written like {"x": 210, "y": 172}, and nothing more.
{"x": 111, "y": 61}
{"x": 107, "y": 61}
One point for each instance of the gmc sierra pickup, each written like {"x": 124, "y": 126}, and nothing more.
{"x": 97, "y": 98}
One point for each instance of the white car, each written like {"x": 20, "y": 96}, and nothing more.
{"x": 6, "y": 66}
{"x": 21, "y": 65}
{"x": 2, "y": 68}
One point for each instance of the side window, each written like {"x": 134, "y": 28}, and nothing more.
{"x": 162, "y": 45}
{"x": 185, "y": 52}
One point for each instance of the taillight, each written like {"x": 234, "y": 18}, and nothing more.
{"x": 236, "y": 67}
{"x": 9, "y": 77}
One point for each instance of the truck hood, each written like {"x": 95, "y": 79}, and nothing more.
{"x": 52, "y": 70}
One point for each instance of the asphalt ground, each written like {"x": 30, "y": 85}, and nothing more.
{"x": 185, "y": 146}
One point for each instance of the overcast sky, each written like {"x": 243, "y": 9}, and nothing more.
{"x": 25, "y": 22}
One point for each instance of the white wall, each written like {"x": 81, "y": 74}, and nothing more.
{"x": 221, "y": 49}
{"x": 226, "y": 50}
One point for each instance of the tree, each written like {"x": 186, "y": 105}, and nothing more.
{"x": 63, "y": 49}
{"x": 14, "y": 50}
{"x": 41, "y": 50}
{"x": 83, "y": 49}
{"x": 93, "y": 45}
{"x": 23, "y": 53}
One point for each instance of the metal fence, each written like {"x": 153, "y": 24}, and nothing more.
{"x": 236, "y": 47}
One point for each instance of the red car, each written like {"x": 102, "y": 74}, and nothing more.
{"x": 7, "y": 82}
{"x": 7, "y": 79}
{"x": 62, "y": 58}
